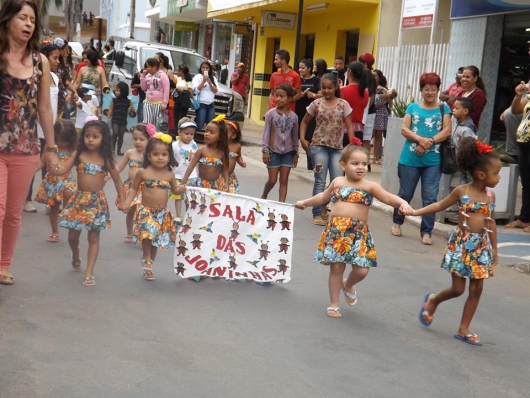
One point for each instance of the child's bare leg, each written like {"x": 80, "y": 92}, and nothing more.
{"x": 284, "y": 180}
{"x": 457, "y": 289}
{"x": 271, "y": 182}
{"x": 54, "y": 215}
{"x": 93, "y": 251}
{"x": 129, "y": 220}
{"x": 73, "y": 242}
{"x": 154, "y": 250}
{"x": 356, "y": 275}
{"x": 336, "y": 272}
{"x": 147, "y": 259}
{"x": 67, "y": 194}
{"x": 178, "y": 207}
{"x": 475, "y": 291}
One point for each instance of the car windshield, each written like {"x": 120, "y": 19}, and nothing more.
{"x": 193, "y": 61}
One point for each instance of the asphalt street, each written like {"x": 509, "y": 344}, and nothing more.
{"x": 126, "y": 337}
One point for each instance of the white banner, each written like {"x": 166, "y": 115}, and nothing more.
{"x": 418, "y": 13}
{"x": 235, "y": 237}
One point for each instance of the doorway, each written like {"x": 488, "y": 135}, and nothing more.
{"x": 352, "y": 46}
{"x": 276, "y": 48}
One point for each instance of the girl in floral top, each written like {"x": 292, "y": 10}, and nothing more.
{"x": 330, "y": 112}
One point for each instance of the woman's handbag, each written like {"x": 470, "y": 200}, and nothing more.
{"x": 195, "y": 103}
{"x": 448, "y": 152}
{"x": 162, "y": 123}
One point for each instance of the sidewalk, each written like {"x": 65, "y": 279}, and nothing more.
{"x": 513, "y": 244}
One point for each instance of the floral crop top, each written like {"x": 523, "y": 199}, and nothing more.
{"x": 210, "y": 161}
{"x": 467, "y": 206}
{"x": 157, "y": 184}
{"x": 351, "y": 195}
{"x": 135, "y": 163}
{"x": 18, "y": 112}
{"x": 92, "y": 169}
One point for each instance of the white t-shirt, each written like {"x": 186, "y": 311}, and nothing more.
{"x": 183, "y": 154}
{"x": 87, "y": 109}
{"x": 54, "y": 100}
{"x": 206, "y": 95}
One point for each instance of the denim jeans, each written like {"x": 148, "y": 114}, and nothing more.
{"x": 204, "y": 115}
{"x": 524, "y": 170}
{"x": 430, "y": 182}
{"x": 324, "y": 158}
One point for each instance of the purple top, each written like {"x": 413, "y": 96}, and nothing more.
{"x": 281, "y": 132}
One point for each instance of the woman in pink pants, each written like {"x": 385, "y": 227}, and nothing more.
{"x": 24, "y": 93}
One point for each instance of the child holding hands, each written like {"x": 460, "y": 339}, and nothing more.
{"x": 347, "y": 238}
{"x": 471, "y": 251}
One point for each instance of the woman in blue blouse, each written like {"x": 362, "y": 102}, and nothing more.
{"x": 426, "y": 124}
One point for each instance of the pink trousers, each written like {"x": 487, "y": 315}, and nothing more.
{"x": 16, "y": 172}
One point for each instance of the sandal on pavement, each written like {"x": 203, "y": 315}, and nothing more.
{"x": 89, "y": 281}
{"x": 469, "y": 338}
{"x": 517, "y": 224}
{"x": 147, "y": 267}
{"x": 318, "y": 221}
{"x": 334, "y": 312}
{"x": 527, "y": 229}
{"x": 128, "y": 239}
{"x": 426, "y": 240}
{"x": 7, "y": 280}
{"x": 76, "y": 264}
{"x": 425, "y": 318}
{"x": 396, "y": 230}
{"x": 54, "y": 238}
{"x": 351, "y": 298}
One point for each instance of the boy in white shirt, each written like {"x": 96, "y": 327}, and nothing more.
{"x": 87, "y": 105}
{"x": 184, "y": 148}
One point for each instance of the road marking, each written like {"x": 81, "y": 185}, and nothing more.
{"x": 506, "y": 244}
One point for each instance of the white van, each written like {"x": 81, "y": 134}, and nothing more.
{"x": 132, "y": 56}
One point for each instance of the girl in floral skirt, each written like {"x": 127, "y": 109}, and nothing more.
{"x": 154, "y": 225}
{"x": 471, "y": 252}
{"x": 54, "y": 189}
{"x": 347, "y": 238}
{"x": 134, "y": 158}
{"x": 88, "y": 208}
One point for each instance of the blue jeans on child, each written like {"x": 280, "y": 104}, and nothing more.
{"x": 430, "y": 182}
{"x": 324, "y": 158}
{"x": 204, "y": 115}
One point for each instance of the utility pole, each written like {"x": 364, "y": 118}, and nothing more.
{"x": 132, "y": 17}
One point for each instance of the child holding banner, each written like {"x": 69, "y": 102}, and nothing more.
{"x": 234, "y": 154}
{"x": 347, "y": 238}
{"x": 212, "y": 158}
{"x": 154, "y": 225}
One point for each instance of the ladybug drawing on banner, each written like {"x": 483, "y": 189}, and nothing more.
{"x": 202, "y": 206}
{"x": 282, "y": 266}
{"x": 180, "y": 269}
{"x": 182, "y": 249}
{"x": 264, "y": 251}
{"x": 271, "y": 222}
{"x": 196, "y": 242}
{"x": 187, "y": 226}
{"x": 284, "y": 245}
{"x": 193, "y": 201}
{"x": 285, "y": 223}
{"x": 234, "y": 233}
{"x": 232, "y": 262}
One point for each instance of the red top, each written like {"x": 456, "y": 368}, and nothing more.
{"x": 479, "y": 101}
{"x": 351, "y": 94}
{"x": 291, "y": 77}
{"x": 454, "y": 90}
{"x": 242, "y": 84}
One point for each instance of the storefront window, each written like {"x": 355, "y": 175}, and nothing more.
{"x": 223, "y": 40}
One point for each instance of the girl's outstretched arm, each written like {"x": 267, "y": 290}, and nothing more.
{"x": 443, "y": 204}
{"x": 239, "y": 158}
{"x": 123, "y": 163}
{"x": 390, "y": 199}
{"x": 189, "y": 170}
{"x": 64, "y": 168}
{"x": 174, "y": 186}
{"x": 117, "y": 182}
{"x": 318, "y": 199}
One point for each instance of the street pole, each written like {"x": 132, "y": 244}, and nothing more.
{"x": 132, "y": 17}
{"x": 298, "y": 30}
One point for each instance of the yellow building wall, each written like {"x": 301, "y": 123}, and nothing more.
{"x": 330, "y": 39}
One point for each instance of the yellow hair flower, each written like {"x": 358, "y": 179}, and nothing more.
{"x": 219, "y": 118}
{"x": 165, "y": 138}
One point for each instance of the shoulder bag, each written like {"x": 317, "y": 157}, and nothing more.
{"x": 447, "y": 152}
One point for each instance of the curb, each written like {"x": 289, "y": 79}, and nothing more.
{"x": 249, "y": 143}
{"x": 523, "y": 268}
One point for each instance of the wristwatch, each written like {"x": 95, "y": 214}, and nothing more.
{"x": 54, "y": 148}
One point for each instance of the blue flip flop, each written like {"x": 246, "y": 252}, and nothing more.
{"x": 422, "y": 310}
{"x": 470, "y": 338}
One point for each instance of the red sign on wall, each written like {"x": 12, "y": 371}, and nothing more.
{"x": 418, "y": 21}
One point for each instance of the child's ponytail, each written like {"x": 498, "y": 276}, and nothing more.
{"x": 474, "y": 156}
{"x": 222, "y": 144}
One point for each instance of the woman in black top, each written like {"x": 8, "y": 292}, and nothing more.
{"x": 310, "y": 91}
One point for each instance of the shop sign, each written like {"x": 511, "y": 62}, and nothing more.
{"x": 216, "y": 5}
{"x": 182, "y": 3}
{"x": 475, "y": 8}
{"x": 418, "y": 13}
{"x": 181, "y": 26}
{"x": 279, "y": 20}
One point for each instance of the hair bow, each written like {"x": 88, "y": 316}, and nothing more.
{"x": 355, "y": 141}
{"x": 219, "y": 118}
{"x": 483, "y": 148}
{"x": 165, "y": 138}
{"x": 91, "y": 119}
{"x": 151, "y": 130}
